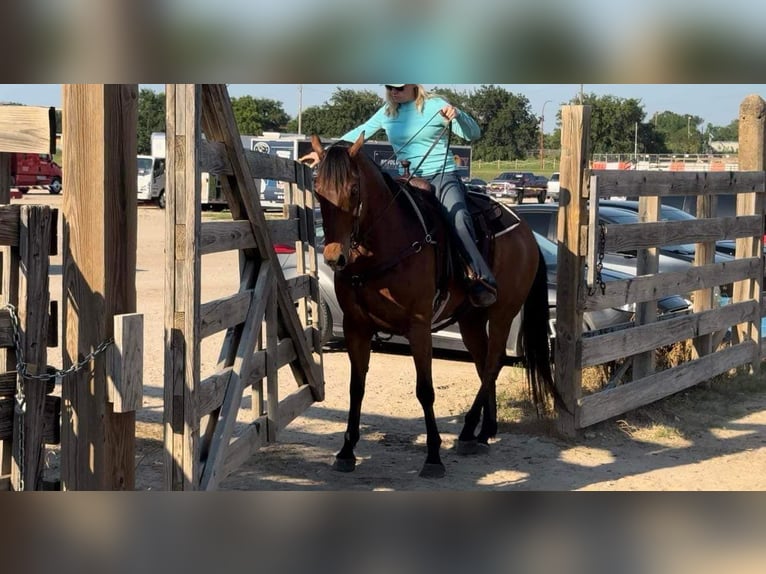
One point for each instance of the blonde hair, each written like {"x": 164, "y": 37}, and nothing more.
{"x": 421, "y": 95}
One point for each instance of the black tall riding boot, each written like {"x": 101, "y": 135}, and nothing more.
{"x": 482, "y": 291}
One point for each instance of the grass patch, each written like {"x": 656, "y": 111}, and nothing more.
{"x": 711, "y": 404}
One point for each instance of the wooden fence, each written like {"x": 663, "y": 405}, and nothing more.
{"x": 205, "y": 436}
{"x": 581, "y": 239}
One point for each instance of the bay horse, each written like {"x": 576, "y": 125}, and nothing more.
{"x": 386, "y": 260}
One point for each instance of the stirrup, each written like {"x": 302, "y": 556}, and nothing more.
{"x": 482, "y": 294}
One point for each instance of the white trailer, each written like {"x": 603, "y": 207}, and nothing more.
{"x": 153, "y": 189}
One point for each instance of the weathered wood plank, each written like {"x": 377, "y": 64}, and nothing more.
{"x": 6, "y": 329}
{"x": 628, "y": 236}
{"x": 8, "y": 383}
{"x": 220, "y": 314}
{"x": 34, "y": 293}
{"x": 99, "y": 267}
{"x": 662, "y": 183}
{"x": 612, "y": 346}
{"x": 9, "y": 225}
{"x": 218, "y": 236}
{"x": 182, "y": 287}
{"x": 612, "y": 402}
{"x": 285, "y": 231}
{"x": 221, "y": 126}
{"x": 752, "y": 156}
{"x": 126, "y": 360}
{"x": 647, "y": 263}
{"x": 649, "y": 287}
{"x": 242, "y": 367}
{"x": 27, "y": 129}
{"x": 575, "y": 134}
{"x": 293, "y": 405}
{"x": 244, "y": 446}
{"x": 49, "y": 424}
{"x": 212, "y": 389}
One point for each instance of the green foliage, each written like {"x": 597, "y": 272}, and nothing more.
{"x": 151, "y": 118}
{"x": 256, "y": 115}
{"x": 724, "y": 133}
{"x": 508, "y": 127}
{"x": 345, "y": 111}
{"x": 681, "y": 132}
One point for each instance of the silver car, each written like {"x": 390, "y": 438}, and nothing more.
{"x": 450, "y": 338}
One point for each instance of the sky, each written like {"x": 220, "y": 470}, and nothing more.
{"x": 717, "y": 104}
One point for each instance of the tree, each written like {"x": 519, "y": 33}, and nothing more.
{"x": 151, "y": 118}
{"x": 724, "y": 133}
{"x": 508, "y": 127}
{"x": 681, "y": 132}
{"x": 345, "y": 110}
{"x": 257, "y": 115}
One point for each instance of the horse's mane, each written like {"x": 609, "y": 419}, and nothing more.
{"x": 336, "y": 168}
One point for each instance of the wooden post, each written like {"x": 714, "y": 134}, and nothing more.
{"x": 648, "y": 264}
{"x": 575, "y": 134}
{"x": 704, "y": 254}
{"x": 752, "y": 157}
{"x": 34, "y": 251}
{"x": 8, "y": 293}
{"x": 99, "y": 262}
{"x": 182, "y": 284}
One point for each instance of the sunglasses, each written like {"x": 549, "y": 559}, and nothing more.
{"x": 396, "y": 88}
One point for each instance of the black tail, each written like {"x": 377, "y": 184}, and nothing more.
{"x": 535, "y": 342}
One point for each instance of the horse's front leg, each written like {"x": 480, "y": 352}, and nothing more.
{"x": 358, "y": 345}
{"x": 420, "y": 342}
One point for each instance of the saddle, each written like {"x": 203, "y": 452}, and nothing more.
{"x": 490, "y": 217}
{"x": 490, "y": 220}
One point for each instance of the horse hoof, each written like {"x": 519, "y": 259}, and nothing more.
{"x": 344, "y": 464}
{"x": 468, "y": 447}
{"x": 431, "y": 470}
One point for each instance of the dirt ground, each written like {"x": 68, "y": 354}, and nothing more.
{"x": 686, "y": 450}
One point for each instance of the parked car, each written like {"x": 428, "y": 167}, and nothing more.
{"x": 543, "y": 219}
{"x": 553, "y": 186}
{"x": 537, "y": 186}
{"x": 510, "y": 184}
{"x": 475, "y": 184}
{"x": 449, "y": 338}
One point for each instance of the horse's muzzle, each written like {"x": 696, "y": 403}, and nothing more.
{"x": 334, "y": 257}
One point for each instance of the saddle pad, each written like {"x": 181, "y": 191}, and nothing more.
{"x": 498, "y": 218}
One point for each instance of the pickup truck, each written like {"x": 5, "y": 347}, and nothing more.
{"x": 518, "y": 184}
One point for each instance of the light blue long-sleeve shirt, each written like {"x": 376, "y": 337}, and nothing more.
{"x": 408, "y": 122}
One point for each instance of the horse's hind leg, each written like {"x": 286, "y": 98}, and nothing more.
{"x": 472, "y": 330}
{"x": 487, "y": 353}
{"x": 358, "y": 347}
{"x": 422, "y": 354}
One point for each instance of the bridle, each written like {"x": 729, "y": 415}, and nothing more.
{"x": 359, "y": 236}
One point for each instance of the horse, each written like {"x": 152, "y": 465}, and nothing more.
{"x": 387, "y": 257}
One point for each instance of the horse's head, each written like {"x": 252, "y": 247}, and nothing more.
{"x": 338, "y": 186}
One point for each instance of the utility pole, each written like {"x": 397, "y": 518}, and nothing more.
{"x": 542, "y": 126}
{"x": 300, "y": 108}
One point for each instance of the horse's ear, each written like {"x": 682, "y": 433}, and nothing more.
{"x": 316, "y": 145}
{"x": 354, "y": 149}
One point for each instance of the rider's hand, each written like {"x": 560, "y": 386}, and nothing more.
{"x": 311, "y": 159}
{"x": 449, "y": 112}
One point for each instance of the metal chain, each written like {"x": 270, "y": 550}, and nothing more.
{"x": 21, "y": 366}
{"x": 23, "y": 373}
{"x": 600, "y": 262}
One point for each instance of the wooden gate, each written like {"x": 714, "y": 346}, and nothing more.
{"x": 204, "y": 441}
{"x": 580, "y": 240}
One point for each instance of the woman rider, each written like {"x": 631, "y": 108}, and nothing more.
{"x": 413, "y": 119}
